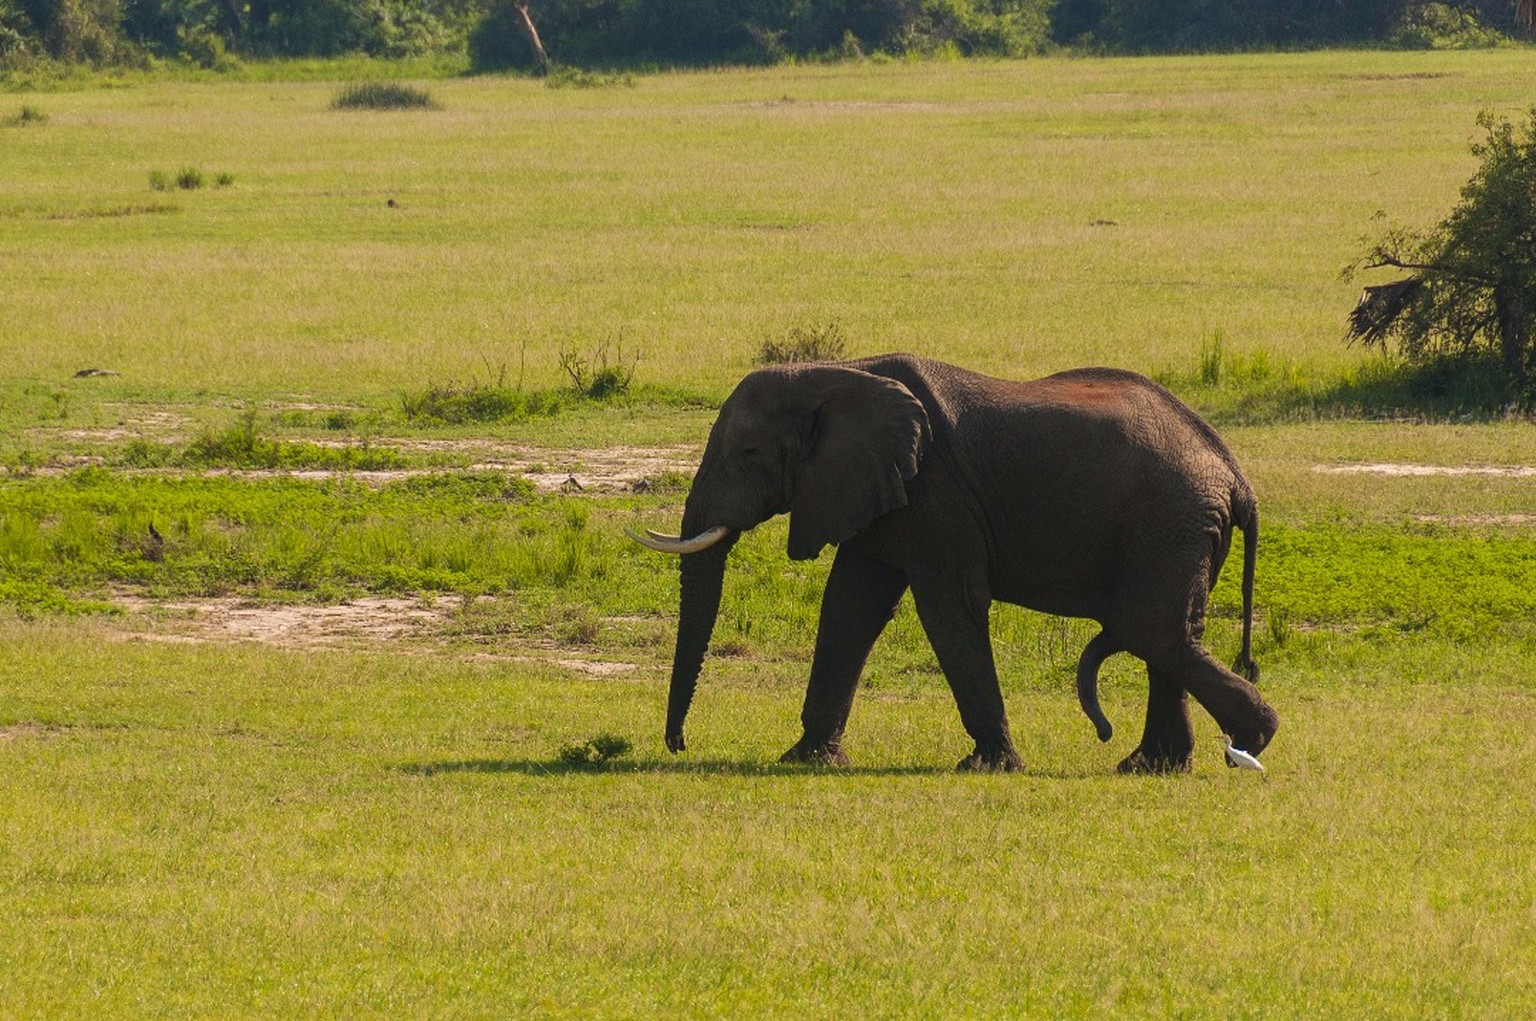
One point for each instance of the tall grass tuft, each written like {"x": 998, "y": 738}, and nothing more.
{"x": 29, "y": 114}
{"x": 383, "y": 96}
{"x": 1212, "y": 353}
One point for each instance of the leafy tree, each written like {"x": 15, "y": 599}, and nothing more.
{"x": 75, "y": 31}
{"x": 588, "y": 32}
{"x": 1472, "y": 282}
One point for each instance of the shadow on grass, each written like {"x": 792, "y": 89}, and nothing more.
{"x": 709, "y": 767}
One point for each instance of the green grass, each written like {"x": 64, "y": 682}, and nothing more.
{"x": 948, "y": 208}
{"x": 241, "y": 832}
{"x": 192, "y": 825}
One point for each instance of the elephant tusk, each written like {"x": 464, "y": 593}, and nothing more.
{"x": 676, "y": 544}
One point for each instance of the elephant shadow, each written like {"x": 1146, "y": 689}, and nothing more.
{"x": 554, "y": 767}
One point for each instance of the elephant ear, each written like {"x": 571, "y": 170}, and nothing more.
{"x": 866, "y": 437}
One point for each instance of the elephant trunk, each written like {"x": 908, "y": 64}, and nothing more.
{"x": 703, "y": 575}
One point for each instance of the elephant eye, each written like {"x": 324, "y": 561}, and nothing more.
{"x": 748, "y": 451}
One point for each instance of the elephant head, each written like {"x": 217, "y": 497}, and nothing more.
{"x": 831, "y": 446}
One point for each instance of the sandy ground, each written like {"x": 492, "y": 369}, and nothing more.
{"x": 609, "y": 470}
{"x": 1395, "y": 470}
{"x": 410, "y": 625}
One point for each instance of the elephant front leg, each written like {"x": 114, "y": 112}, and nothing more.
{"x": 954, "y": 612}
{"x": 859, "y": 600}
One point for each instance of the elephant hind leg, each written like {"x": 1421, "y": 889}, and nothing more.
{"x": 1098, "y": 649}
{"x": 1233, "y": 701}
{"x": 1168, "y": 741}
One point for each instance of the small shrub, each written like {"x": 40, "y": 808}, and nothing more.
{"x": 816, "y": 343}
{"x": 597, "y": 377}
{"x": 383, "y": 96}
{"x": 598, "y": 750}
{"x": 29, "y": 115}
{"x": 189, "y": 178}
{"x": 159, "y": 180}
{"x": 224, "y": 179}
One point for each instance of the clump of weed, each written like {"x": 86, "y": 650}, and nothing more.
{"x": 595, "y": 751}
{"x": 383, "y": 96}
{"x": 664, "y": 482}
{"x": 823, "y": 342}
{"x": 29, "y": 115}
{"x": 241, "y": 445}
{"x": 561, "y": 77}
{"x": 577, "y": 624}
{"x": 188, "y": 178}
{"x": 456, "y": 404}
{"x": 1281, "y": 629}
{"x": 600, "y": 375}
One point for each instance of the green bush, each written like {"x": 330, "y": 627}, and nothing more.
{"x": 1438, "y": 26}
{"x": 1471, "y": 286}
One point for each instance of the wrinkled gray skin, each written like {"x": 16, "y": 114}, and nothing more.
{"x": 1092, "y": 493}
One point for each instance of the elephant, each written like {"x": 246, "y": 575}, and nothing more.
{"x": 1093, "y": 493}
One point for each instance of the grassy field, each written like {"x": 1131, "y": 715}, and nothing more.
{"x": 1017, "y": 217}
{"x": 288, "y": 665}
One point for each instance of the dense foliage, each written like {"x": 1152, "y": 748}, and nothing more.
{"x": 631, "y": 32}
{"x": 1472, "y": 282}
{"x": 1143, "y": 26}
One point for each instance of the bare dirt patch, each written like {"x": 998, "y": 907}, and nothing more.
{"x": 550, "y": 470}
{"x": 609, "y": 470}
{"x": 232, "y": 619}
{"x": 1475, "y": 520}
{"x": 1398, "y": 470}
{"x": 406, "y": 625}
{"x": 17, "y": 730}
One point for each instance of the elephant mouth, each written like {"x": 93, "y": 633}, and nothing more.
{"x": 676, "y": 544}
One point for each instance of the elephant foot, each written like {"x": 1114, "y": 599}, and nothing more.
{"x": 1142, "y": 761}
{"x": 1005, "y": 761}
{"x": 826, "y": 753}
{"x": 1254, "y": 740}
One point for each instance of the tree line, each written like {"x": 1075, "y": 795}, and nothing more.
{"x": 500, "y": 34}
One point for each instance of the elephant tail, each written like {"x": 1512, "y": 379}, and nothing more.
{"x": 1098, "y": 649}
{"x": 1246, "y": 517}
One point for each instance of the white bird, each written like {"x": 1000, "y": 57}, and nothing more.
{"x": 1241, "y": 759}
